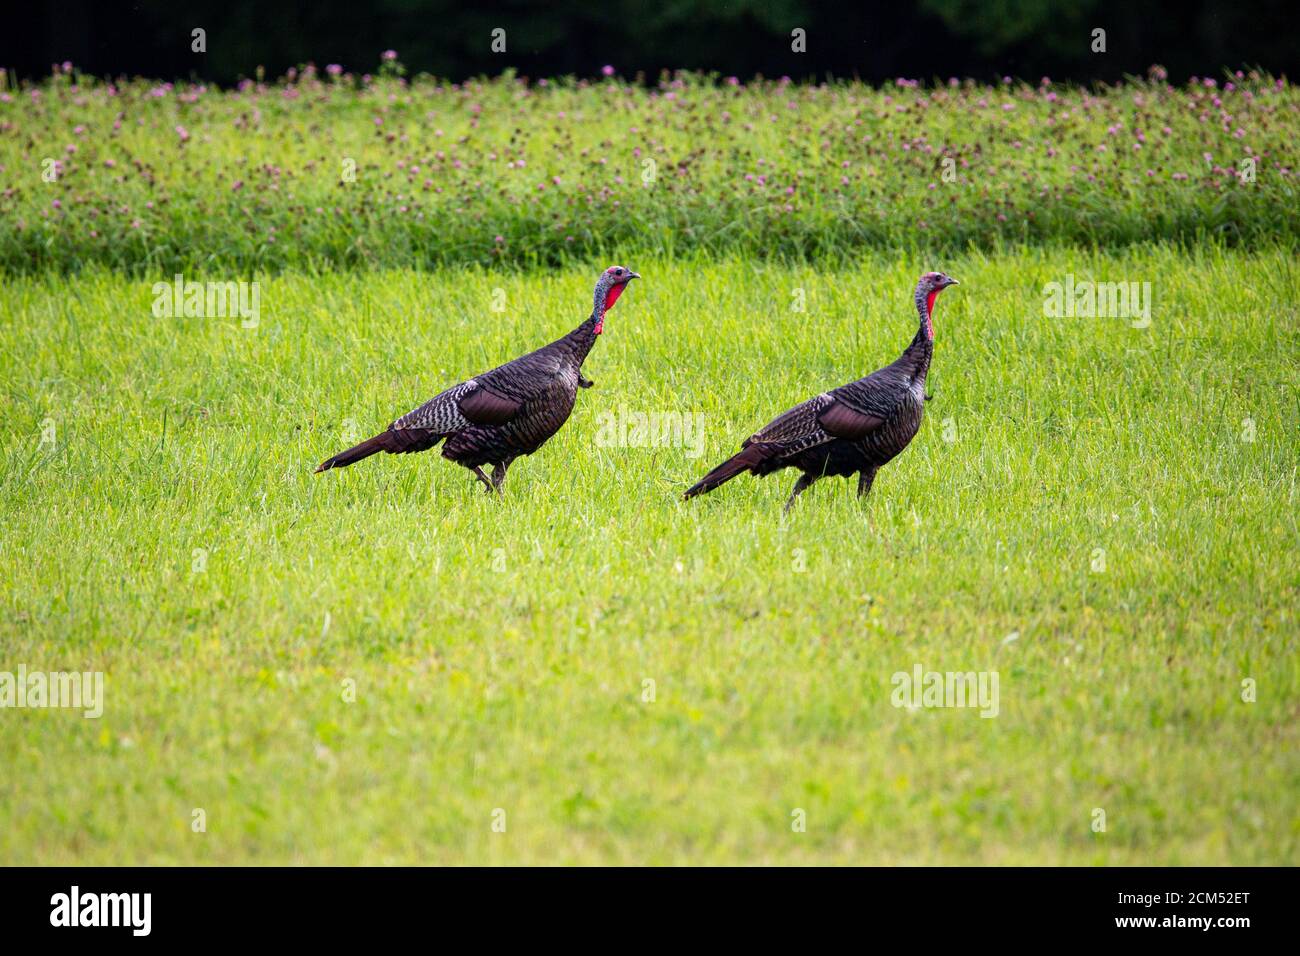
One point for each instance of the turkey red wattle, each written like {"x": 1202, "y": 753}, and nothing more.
{"x": 929, "y": 308}
{"x": 612, "y": 295}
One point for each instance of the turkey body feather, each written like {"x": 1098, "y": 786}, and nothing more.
{"x": 506, "y": 412}
{"x": 853, "y": 429}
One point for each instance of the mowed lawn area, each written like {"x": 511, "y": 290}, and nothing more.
{"x": 377, "y": 665}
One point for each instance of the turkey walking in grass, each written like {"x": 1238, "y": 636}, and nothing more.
{"x": 853, "y": 429}
{"x": 510, "y": 411}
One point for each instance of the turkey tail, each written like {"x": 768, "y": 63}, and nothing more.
{"x": 394, "y": 441}
{"x": 747, "y": 458}
{"x": 371, "y": 446}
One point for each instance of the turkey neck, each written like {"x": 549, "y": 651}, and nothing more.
{"x": 579, "y": 342}
{"x": 916, "y": 357}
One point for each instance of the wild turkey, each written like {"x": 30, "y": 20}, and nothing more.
{"x": 510, "y": 411}
{"x": 853, "y": 429}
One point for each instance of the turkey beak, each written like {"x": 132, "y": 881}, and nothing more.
{"x": 948, "y": 280}
{"x": 632, "y": 275}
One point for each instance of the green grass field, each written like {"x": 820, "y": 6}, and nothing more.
{"x": 1105, "y": 515}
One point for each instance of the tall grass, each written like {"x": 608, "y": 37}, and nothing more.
{"x": 317, "y": 172}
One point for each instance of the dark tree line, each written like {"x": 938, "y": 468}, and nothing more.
{"x": 872, "y": 39}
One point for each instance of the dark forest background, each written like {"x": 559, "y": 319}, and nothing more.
{"x": 870, "y": 39}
